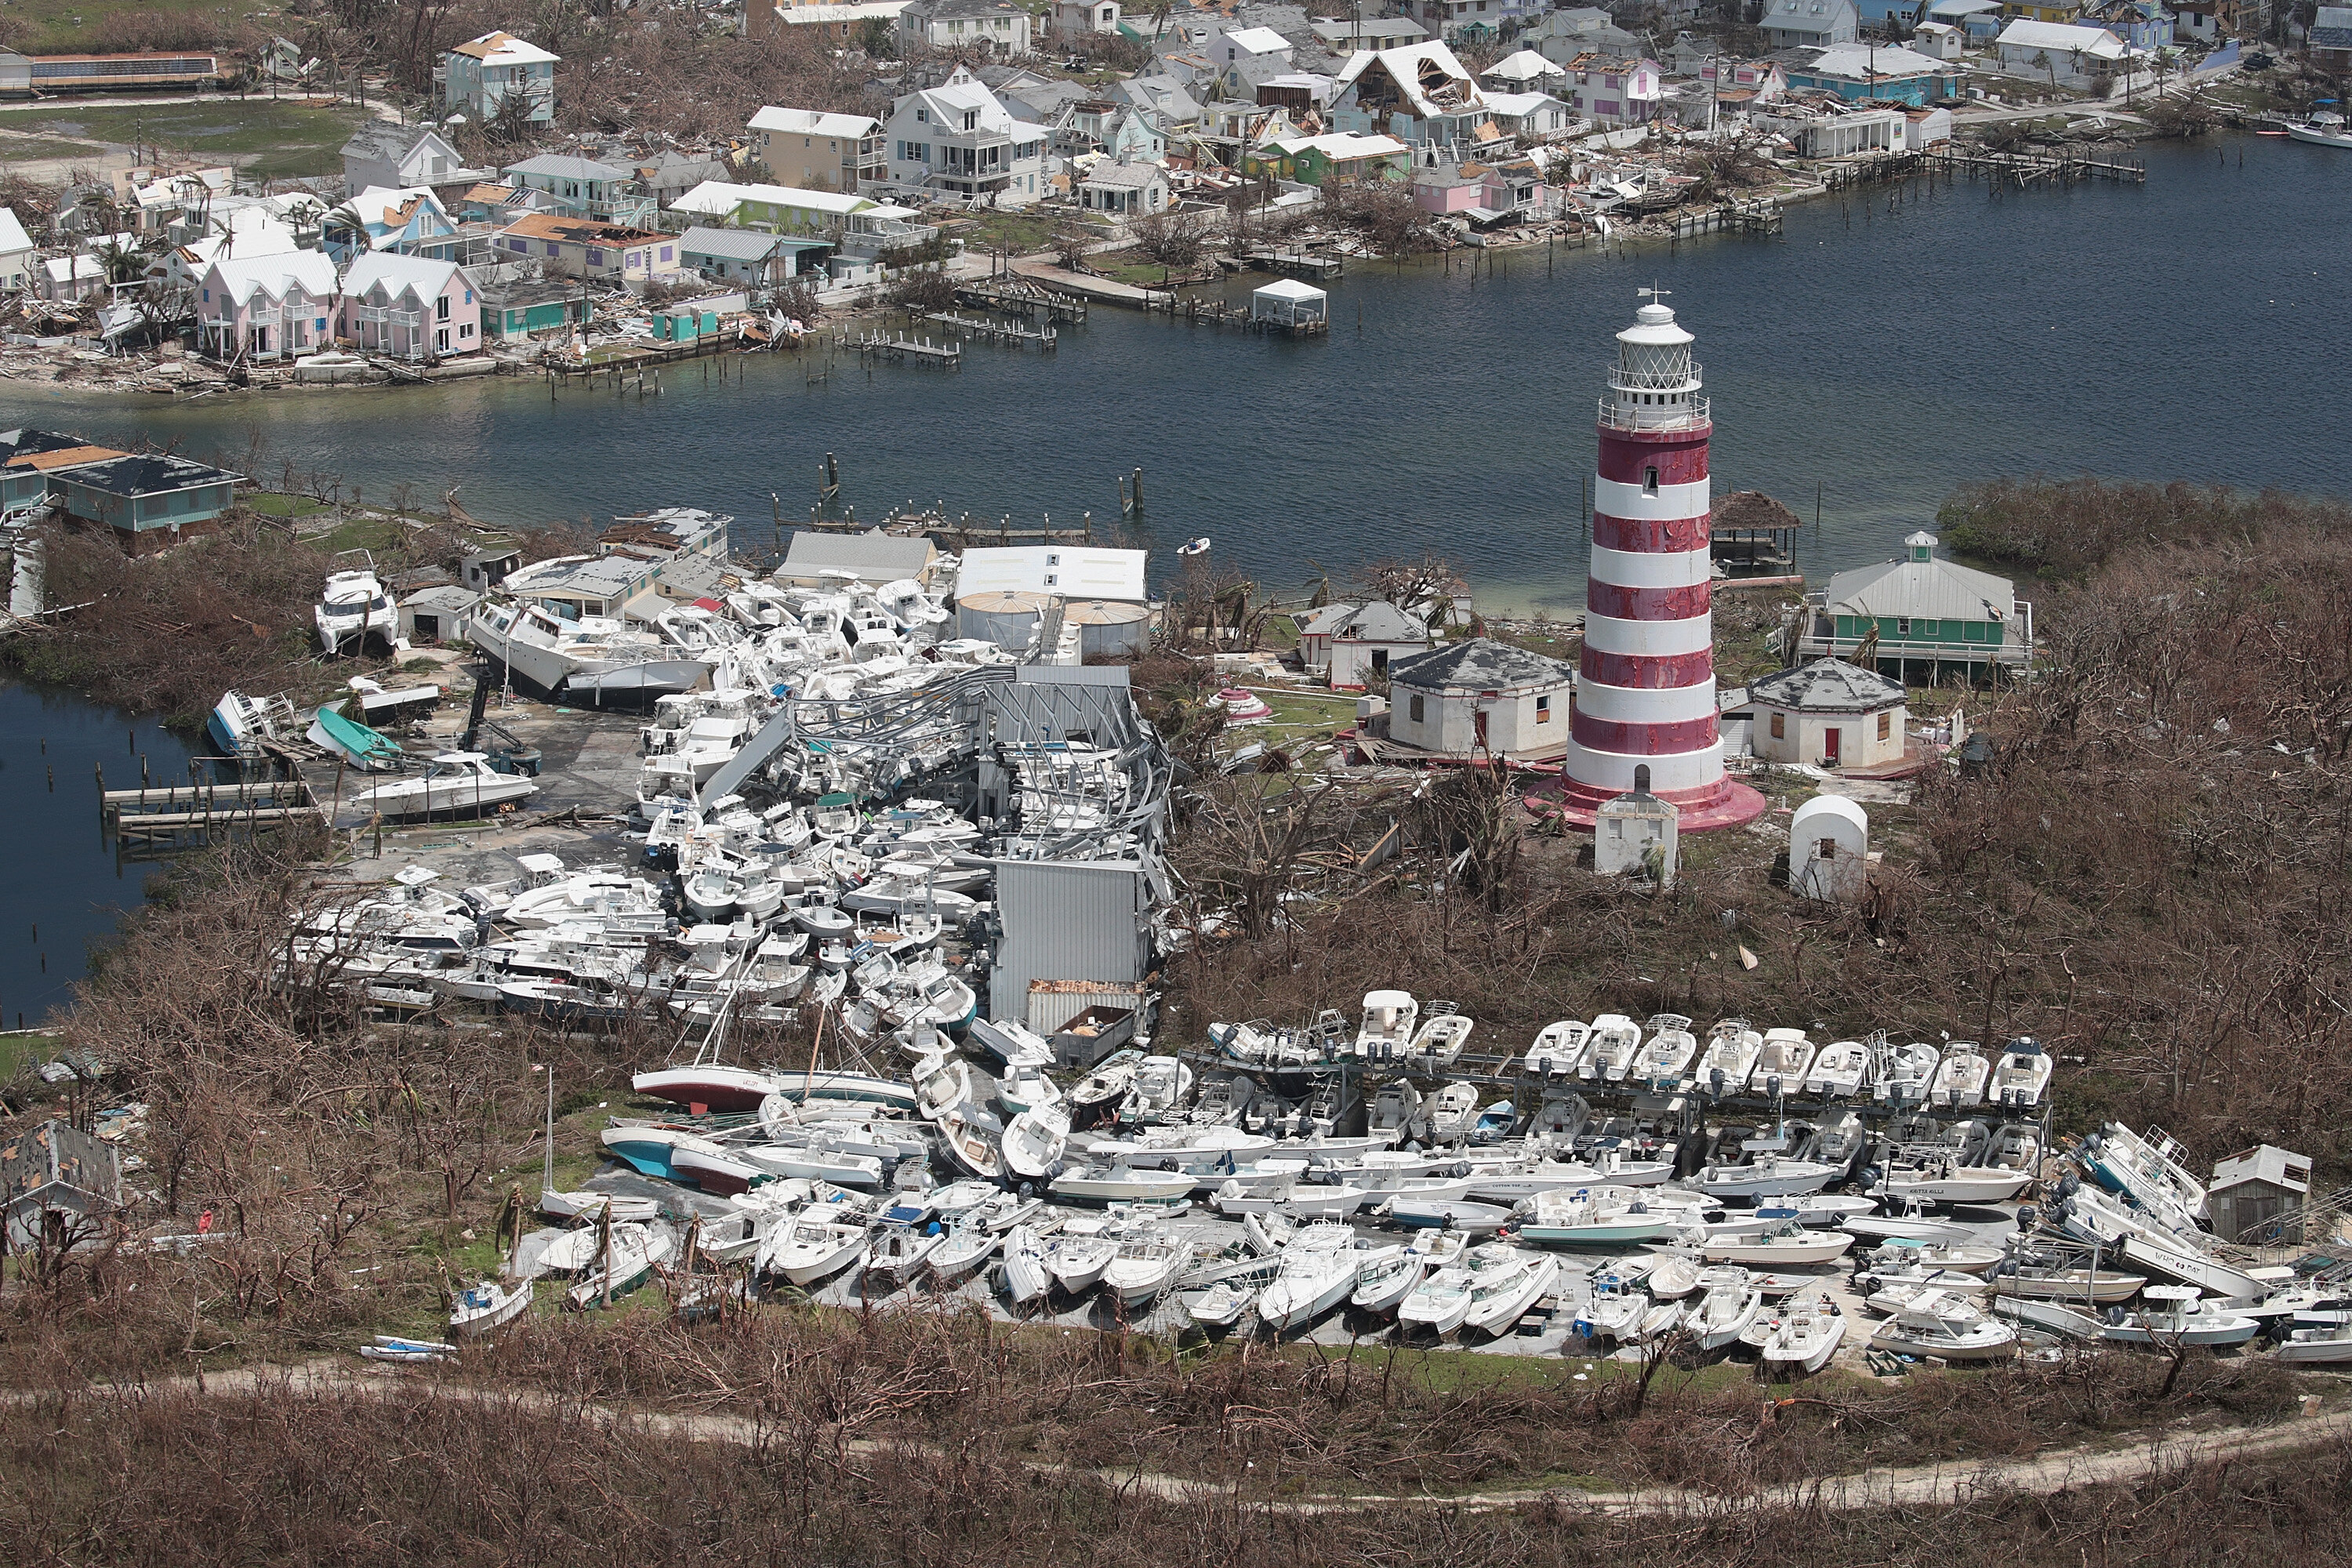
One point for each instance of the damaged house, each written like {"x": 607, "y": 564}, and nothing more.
{"x": 1420, "y": 94}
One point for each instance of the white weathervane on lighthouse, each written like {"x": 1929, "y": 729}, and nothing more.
{"x": 1645, "y": 713}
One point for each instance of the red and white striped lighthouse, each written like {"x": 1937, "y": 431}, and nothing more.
{"x": 1645, "y": 712}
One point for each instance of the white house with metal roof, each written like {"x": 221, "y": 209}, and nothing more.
{"x": 1827, "y": 712}
{"x": 2065, "y": 55}
{"x": 1919, "y": 614}
{"x": 1351, "y": 644}
{"x": 958, "y": 139}
{"x": 482, "y": 75}
{"x": 15, "y": 251}
{"x": 1481, "y": 699}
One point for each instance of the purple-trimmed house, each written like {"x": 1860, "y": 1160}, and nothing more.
{"x": 410, "y": 307}
{"x": 263, "y": 307}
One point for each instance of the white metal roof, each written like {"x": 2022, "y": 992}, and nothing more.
{"x": 398, "y": 274}
{"x": 1934, "y": 590}
{"x": 313, "y": 269}
{"x": 12, "y": 233}
{"x": 719, "y": 197}
{"x": 1525, "y": 66}
{"x": 2097, "y": 42}
{"x": 563, "y": 167}
{"x": 1258, "y": 40}
{"x": 1288, "y": 288}
{"x": 810, "y": 122}
{"x": 1084, "y": 573}
{"x": 505, "y": 49}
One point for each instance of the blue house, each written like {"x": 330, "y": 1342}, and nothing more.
{"x": 29, "y": 457}
{"x": 690, "y": 321}
{"x": 1884, "y": 73}
{"x": 411, "y": 222}
{"x": 1981, "y": 20}
{"x": 482, "y": 77}
{"x": 149, "y": 501}
{"x": 2142, "y": 24}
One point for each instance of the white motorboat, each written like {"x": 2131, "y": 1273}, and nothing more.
{"x": 587, "y": 1205}
{"x": 1034, "y": 1142}
{"x": 1451, "y": 1113}
{"x": 897, "y": 1255}
{"x": 1441, "y": 1036}
{"x": 1560, "y": 1049}
{"x": 240, "y": 724}
{"x": 813, "y": 1087}
{"x": 1108, "y": 1081}
{"x": 2052, "y": 1317}
{"x": 1442, "y": 1301}
{"x": 1732, "y": 1048}
{"x": 591, "y": 658}
{"x": 1839, "y": 1070}
{"x": 1790, "y": 1245}
{"x": 2078, "y": 1285}
{"x": 810, "y": 1250}
{"x": 1904, "y": 1074}
{"x": 1496, "y": 1305}
{"x": 2148, "y": 1171}
{"x": 1443, "y": 1214}
{"x": 628, "y": 1259}
{"x": 1146, "y": 1266}
{"x": 2022, "y": 1075}
{"x": 1600, "y": 1217}
{"x": 1517, "y": 1182}
{"x": 1223, "y": 1304}
{"x": 1938, "y": 1324}
{"x": 1665, "y": 1055}
{"x": 1386, "y": 1029}
{"x": 1945, "y": 1183}
{"x": 944, "y": 1083}
{"x": 1806, "y": 1335}
{"x": 1670, "y": 1277}
{"x": 1026, "y": 1276}
{"x": 1723, "y": 1314}
{"x": 1161, "y": 1086}
{"x": 1960, "y": 1076}
{"x": 1767, "y": 1175}
{"x": 2322, "y": 130}
{"x": 1609, "y": 1053}
{"x": 2174, "y": 1315}
{"x": 970, "y": 1138}
{"x": 1077, "y": 1257}
{"x": 1026, "y": 1088}
{"x": 1960, "y": 1259}
{"x": 1782, "y": 1062}
{"x": 1381, "y": 1287}
{"x": 1120, "y": 1184}
{"x": 355, "y": 610}
{"x": 1318, "y": 1271}
{"x": 1614, "y": 1312}
{"x": 484, "y": 1308}
{"x": 807, "y": 1161}
{"x": 963, "y": 1248}
{"x": 2319, "y": 1345}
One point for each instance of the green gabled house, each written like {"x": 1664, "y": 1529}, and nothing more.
{"x": 1927, "y": 614}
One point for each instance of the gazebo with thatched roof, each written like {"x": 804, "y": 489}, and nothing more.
{"x": 1754, "y": 535}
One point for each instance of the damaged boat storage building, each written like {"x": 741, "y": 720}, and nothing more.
{"x": 1089, "y": 781}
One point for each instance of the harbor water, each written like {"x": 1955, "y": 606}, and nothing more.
{"x": 68, "y": 887}
{"x": 1875, "y": 356}
{"x": 2185, "y": 328}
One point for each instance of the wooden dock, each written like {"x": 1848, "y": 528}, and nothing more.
{"x": 903, "y": 350}
{"x": 204, "y": 808}
{"x": 1013, "y": 296}
{"x": 2056, "y": 166}
{"x": 1007, "y": 332}
{"x": 957, "y": 533}
{"x": 1315, "y": 264}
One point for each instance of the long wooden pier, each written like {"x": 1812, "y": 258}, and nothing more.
{"x": 202, "y": 808}
{"x": 1042, "y": 338}
{"x": 1015, "y": 296}
{"x": 903, "y": 348}
{"x": 2062, "y": 166}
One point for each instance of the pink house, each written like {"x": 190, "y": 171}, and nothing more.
{"x": 1451, "y": 190}
{"x": 262, "y": 307}
{"x": 1609, "y": 90}
{"x": 410, "y": 307}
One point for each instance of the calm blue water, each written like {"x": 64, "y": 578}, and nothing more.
{"x": 2192, "y": 328}
{"x": 66, "y": 888}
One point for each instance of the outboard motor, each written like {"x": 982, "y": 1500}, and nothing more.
{"x": 1690, "y": 1154}
{"x": 2069, "y": 1184}
{"x": 2027, "y": 1217}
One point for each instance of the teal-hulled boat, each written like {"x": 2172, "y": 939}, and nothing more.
{"x": 364, "y": 748}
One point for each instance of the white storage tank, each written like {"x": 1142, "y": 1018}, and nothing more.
{"x": 1004, "y": 617}
{"x": 1114, "y": 629}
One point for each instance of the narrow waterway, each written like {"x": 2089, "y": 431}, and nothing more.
{"x": 2191, "y": 329}
{"x": 68, "y": 889}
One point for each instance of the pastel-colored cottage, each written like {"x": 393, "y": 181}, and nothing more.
{"x": 582, "y": 247}
{"x": 484, "y": 74}
{"x": 410, "y": 222}
{"x": 263, "y": 307}
{"x": 15, "y": 251}
{"x": 410, "y": 307}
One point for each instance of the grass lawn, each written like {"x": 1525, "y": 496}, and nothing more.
{"x": 1024, "y": 234}
{"x": 25, "y": 149}
{"x": 272, "y": 503}
{"x": 19, "y": 1046}
{"x": 263, "y": 136}
{"x": 71, "y": 27}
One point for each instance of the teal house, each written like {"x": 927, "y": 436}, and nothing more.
{"x": 1920, "y": 617}
{"x": 31, "y": 461}
{"x": 513, "y": 311}
{"x": 149, "y": 501}
{"x": 690, "y": 321}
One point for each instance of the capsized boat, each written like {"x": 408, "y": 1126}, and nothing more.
{"x": 456, "y": 784}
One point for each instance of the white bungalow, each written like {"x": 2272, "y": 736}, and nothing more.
{"x": 1828, "y": 712}
{"x": 1479, "y": 699}
{"x": 1351, "y": 645}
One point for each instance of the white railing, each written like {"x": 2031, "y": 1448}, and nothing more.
{"x": 2016, "y": 648}
{"x": 1623, "y": 375}
{"x": 1689, "y": 415}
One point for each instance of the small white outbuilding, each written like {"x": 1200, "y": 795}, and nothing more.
{"x": 1828, "y": 849}
{"x": 1292, "y": 305}
{"x": 1480, "y": 699}
{"x": 1827, "y": 712}
{"x": 1635, "y": 835}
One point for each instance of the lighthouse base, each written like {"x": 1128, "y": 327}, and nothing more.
{"x": 1723, "y": 804}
